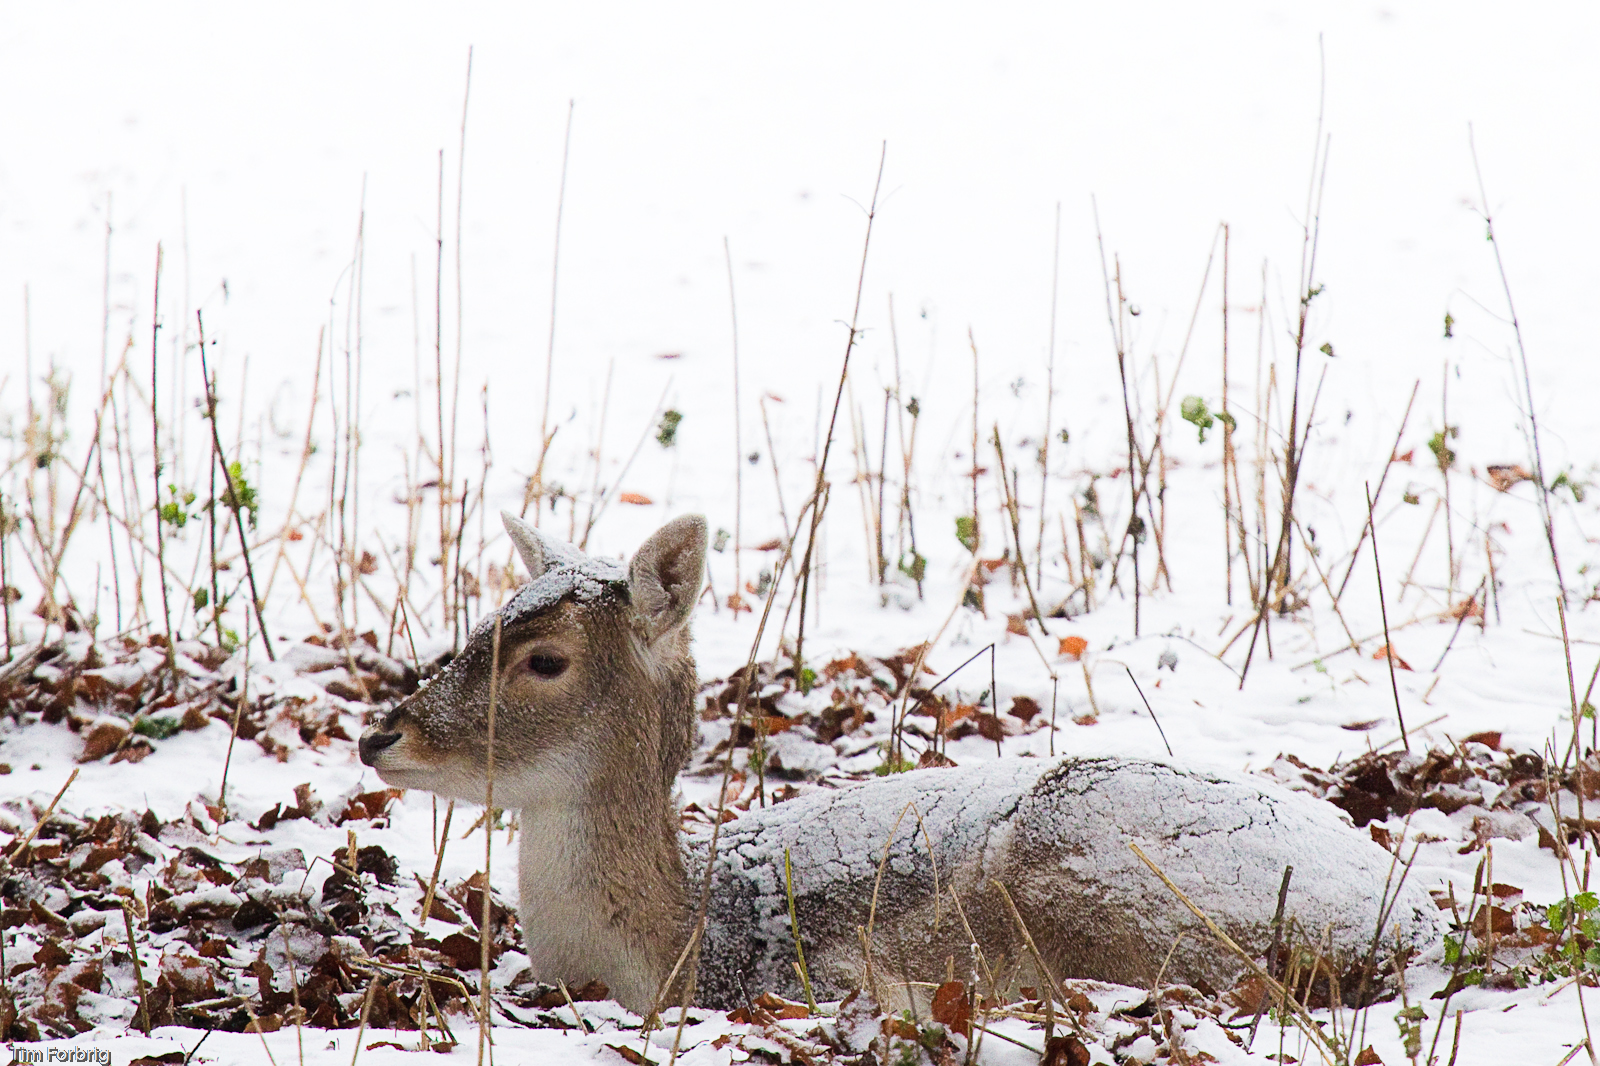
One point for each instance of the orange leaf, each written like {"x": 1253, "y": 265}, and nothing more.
{"x": 635, "y": 498}
{"x": 1073, "y": 647}
{"x": 1393, "y": 655}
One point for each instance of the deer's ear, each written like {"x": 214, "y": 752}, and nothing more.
{"x": 667, "y": 573}
{"x": 528, "y": 543}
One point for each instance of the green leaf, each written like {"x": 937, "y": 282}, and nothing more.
{"x": 667, "y": 429}
{"x": 913, "y": 566}
{"x": 1586, "y": 901}
{"x": 1452, "y": 951}
{"x": 892, "y": 765}
{"x": 1442, "y": 453}
{"x": 967, "y": 532}
{"x": 202, "y": 596}
{"x": 158, "y": 728}
{"x": 808, "y": 679}
{"x": 1449, "y": 325}
{"x": 1194, "y": 409}
{"x": 1327, "y": 348}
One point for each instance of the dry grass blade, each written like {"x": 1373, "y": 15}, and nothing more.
{"x": 138, "y": 970}
{"x": 485, "y": 931}
{"x": 1388, "y": 649}
{"x": 235, "y": 502}
{"x": 1301, "y": 1018}
{"x": 43, "y": 818}
{"x": 833, "y": 420}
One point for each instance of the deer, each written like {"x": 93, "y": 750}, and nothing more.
{"x": 1014, "y": 870}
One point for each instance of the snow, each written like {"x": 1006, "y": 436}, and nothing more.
{"x": 248, "y": 144}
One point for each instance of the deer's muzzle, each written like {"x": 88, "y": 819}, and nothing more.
{"x": 373, "y": 743}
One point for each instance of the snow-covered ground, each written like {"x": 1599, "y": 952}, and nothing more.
{"x": 255, "y": 147}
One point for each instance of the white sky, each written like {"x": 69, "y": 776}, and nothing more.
{"x": 762, "y": 127}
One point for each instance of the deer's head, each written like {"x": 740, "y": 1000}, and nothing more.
{"x": 594, "y": 675}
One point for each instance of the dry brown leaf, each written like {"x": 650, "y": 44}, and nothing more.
{"x": 1024, "y": 708}
{"x": 951, "y": 1009}
{"x": 1504, "y": 476}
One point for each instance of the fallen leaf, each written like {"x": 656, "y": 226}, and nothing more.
{"x": 1024, "y": 707}
{"x": 951, "y": 1009}
{"x": 1492, "y": 918}
{"x": 772, "y": 545}
{"x": 1393, "y": 655}
{"x": 1073, "y": 647}
{"x": 1065, "y": 1051}
{"x": 103, "y": 738}
{"x": 1017, "y": 624}
{"x": 1368, "y": 1057}
{"x": 635, "y": 498}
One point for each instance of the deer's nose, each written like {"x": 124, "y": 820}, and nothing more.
{"x": 372, "y": 743}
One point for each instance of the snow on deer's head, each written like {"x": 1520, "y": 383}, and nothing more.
{"x": 595, "y": 682}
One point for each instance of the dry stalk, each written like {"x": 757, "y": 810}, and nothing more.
{"x": 822, "y": 462}
{"x": 438, "y": 861}
{"x": 1527, "y": 380}
{"x": 691, "y": 950}
{"x": 1388, "y": 648}
{"x": 1049, "y": 395}
{"x": 233, "y": 731}
{"x": 155, "y": 438}
{"x": 1302, "y": 1019}
{"x": 485, "y": 933}
{"x": 43, "y": 818}
{"x": 535, "y": 489}
{"x": 138, "y": 970}
{"x": 1387, "y": 464}
{"x": 234, "y": 502}
{"x": 366, "y": 1009}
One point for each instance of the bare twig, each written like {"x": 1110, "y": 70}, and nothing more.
{"x": 1388, "y": 648}
{"x": 1527, "y": 380}
{"x": 827, "y": 446}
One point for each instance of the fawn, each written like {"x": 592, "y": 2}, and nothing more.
{"x": 895, "y": 881}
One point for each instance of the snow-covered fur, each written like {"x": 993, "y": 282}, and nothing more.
{"x": 1056, "y": 834}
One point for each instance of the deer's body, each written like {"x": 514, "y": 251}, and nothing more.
{"x": 595, "y": 717}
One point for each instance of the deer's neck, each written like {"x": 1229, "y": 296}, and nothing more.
{"x": 603, "y": 890}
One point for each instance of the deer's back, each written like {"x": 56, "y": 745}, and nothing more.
{"x": 1056, "y": 834}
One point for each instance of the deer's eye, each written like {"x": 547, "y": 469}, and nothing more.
{"x": 547, "y": 664}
